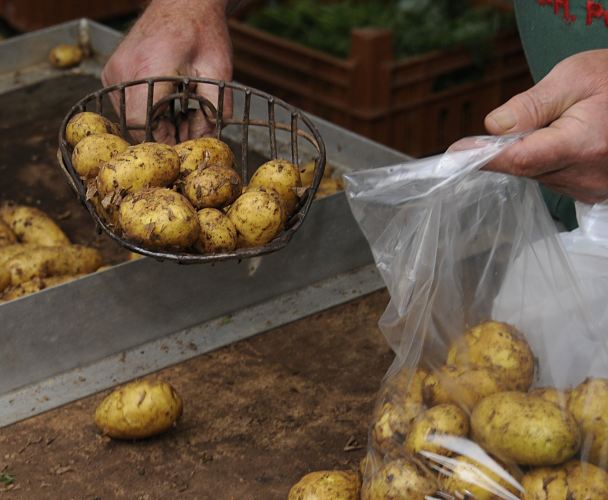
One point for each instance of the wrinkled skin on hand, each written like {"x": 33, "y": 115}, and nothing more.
{"x": 568, "y": 148}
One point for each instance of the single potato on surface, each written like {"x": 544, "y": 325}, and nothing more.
{"x": 572, "y": 481}
{"x": 139, "y": 410}
{"x": 400, "y": 480}
{"x": 498, "y": 347}
{"x": 94, "y": 150}
{"x": 212, "y": 187}
{"x": 7, "y": 236}
{"x": 326, "y": 485}
{"x": 65, "y": 55}
{"x": 159, "y": 218}
{"x": 281, "y": 176}
{"x": 88, "y": 123}
{"x": 523, "y": 429}
{"x": 31, "y": 225}
{"x": 443, "y": 419}
{"x": 258, "y": 218}
{"x": 203, "y": 152}
{"x": 218, "y": 233}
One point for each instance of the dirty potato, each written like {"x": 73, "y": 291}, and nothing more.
{"x": 283, "y": 177}
{"x": 139, "y": 410}
{"x": 35, "y": 285}
{"x": 329, "y": 186}
{"x": 572, "y": 481}
{"x": 523, "y": 429}
{"x": 203, "y": 152}
{"x": 589, "y": 404}
{"x": 443, "y": 419}
{"x": 218, "y": 233}
{"x": 88, "y": 123}
{"x": 65, "y": 55}
{"x": 7, "y": 236}
{"x": 498, "y": 347}
{"x": 145, "y": 165}
{"x": 212, "y": 187}
{"x": 400, "y": 480}
{"x": 5, "y": 277}
{"x": 258, "y": 218}
{"x": 31, "y": 225}
{"x": 391, "y": 424}
{"x": 326, "y": 485}
{"x": 92, "y": 151}
{"x": 159, "y": 218}
{"x": 405, "y": 386}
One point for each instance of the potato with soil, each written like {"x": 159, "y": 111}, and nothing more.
{"x": 159, "y": 218}
{"x": 139, "y": 410}
{"x": 203, "y": 152}
{"x": 7, "y": 236}
{"x": 218, "y": 233}
{"x": 94, "y": 150}
{"x": 400, "y": 480}
{"x": 523, "y": 429}
{"x": 31, "y": 225}
{"x": 258, "y": 218}
{"x": 572, "y": 481}
{"x": 65, "y": 56}
{"x": 405, "y": 385}
{"x": 391, "y": 424}
{"x": 326, "y": 485}
{"x": 498, "y": 347}
{"x": 142, "y": 166}
{"x": 212, "y": 187}
{"x": 589, "y": 404}
{"x": 5, "y": 278}
{"x": 35, "y": 285}
{"x": 283, "y": 177}
{"x": 441, "y": 420}
{"x": 87, "y": 123}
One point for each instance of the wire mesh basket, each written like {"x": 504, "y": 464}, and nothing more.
{"x": 176, "y": 108}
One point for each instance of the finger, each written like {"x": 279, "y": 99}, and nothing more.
{"x": 581, "y": 182}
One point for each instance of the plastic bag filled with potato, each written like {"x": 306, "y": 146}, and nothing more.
{"x": 499, "y": 387}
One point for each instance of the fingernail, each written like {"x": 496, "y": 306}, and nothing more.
{"x": 503, "y": 118}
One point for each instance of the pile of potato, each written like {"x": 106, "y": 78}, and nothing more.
{"x": 36, "y": 254}
{"x": 474, "y": 428}
{"x": 184, "y": 198}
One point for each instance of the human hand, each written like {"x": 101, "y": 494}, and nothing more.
{"x": 568, "y": 148}
{"x": 173, "y": 37}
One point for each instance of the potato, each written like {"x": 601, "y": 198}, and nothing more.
{"x": 498, "y": 347}
{"x": 258, "y": 218}
{"x": 400, "y": 480}
{"x": 405, "y": 386}
{"x": 281, "y": 176}
{"x": 204, "y": 151}
{"x": 5, "y": 278}
{"x": 560, "y": 398}
{"x": 159, "y": 218}
{"x": 523, "y": 429}
{"x": 328, "y": 187}
{"x": 391, "y": 424}
{"x": 470, "y": 479}
{"x": 9, "y": 251}
{"x": 572, "y": 481}
{"x": 88, "y": 123}
{"x": 42, "y": 262}
{"x": 145, "y": 165}
{"x": 92, "y": 151}
{"x": 212, "y": 187}
{"x": 138, "y": 410}
{"x": 307, "y": 173}
{"x": 7, "y": 236}
{"x": 218, "y": 233}
{"x": 35, "y": 285}
{"x": 460, "y": 386}
{"x": 444, "y": 419}
{"x": 65, "y": 55}
{"x": 326, "y": 485}
{"x": 589, "y": 404}
{"x": 31, "y": 225}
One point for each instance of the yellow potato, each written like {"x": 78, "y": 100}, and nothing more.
{"x": 400, "y": 480}
{"x": 326, "y": 485}
{"x": 560, "y": 398}
{"x": 88, "y": 123}
{"x": 498, "y": 347}
{"x": 328, "y": 187}
{"x": 572, "y": 481}
{"x": 159, "y": 218}
{"x": 65, "y": 55}
{"x": 31, "y": 225}
{"x": 443, "y": 419}
{"x": 589, "y": 404}
{"x": 35, "y": 285}
{"x": 7, "y": 236}
{"x": 138, "y": 167}
{"x": 258, "y": 218}
{"x": 94, "y": 150}
{"x": 203, "y": 152}
{"x": 9, "y": 251}
{"x": 467, "y": 478}
{"x": 405, "y": 386}
{"x": 5, "y": 278}
{"x": 523, "y": 429}
{"x": 281, "y": 176}
{"x": 218, "y": 233}
{"x": 212, "y": 187}
{"x": 391, "y": 424}
{"x": 138, "y": 410}
{"x": 307, "y": 173}
{"x": 463, "y": 387}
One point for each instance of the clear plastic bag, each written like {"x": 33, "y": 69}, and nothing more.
{"x": 485, "y": 309}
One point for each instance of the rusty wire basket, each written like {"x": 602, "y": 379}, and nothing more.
{"x": 178, "y": 106}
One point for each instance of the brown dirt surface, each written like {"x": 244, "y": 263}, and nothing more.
{"x": 258, "y": 415}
